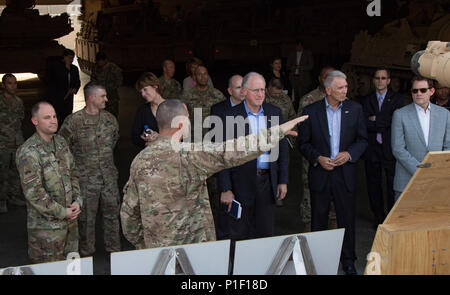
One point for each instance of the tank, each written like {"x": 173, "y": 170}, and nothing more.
{"x": 394, "y": 45}
{"x": 27, "y": 38}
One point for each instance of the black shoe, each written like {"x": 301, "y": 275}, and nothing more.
{"x": 350, "y": 270}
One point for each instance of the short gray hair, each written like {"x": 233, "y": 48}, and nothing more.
{"x": 169, "y": 110}
{"x": 91, "y": 89}
{"x": 248, "y": 76}
{"x": 329, "y": 78}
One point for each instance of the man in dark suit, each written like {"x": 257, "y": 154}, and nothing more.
{"x": 221, "y": 109}
{"x": 258, "y": 183}
{"x": 332, "y": 140}
{"x": 63, "y": 81}
{"x": 300, "y": 64}
{"x": 236, "y": 97}
{"x": 378, "y": 108}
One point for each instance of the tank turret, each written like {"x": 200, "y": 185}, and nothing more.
{"x": 27, "y": 39}
{"x": 394, "y": 45}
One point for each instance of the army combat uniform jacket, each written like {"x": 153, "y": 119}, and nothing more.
{"x": 11, "y": 117}
{"x": 110, "y": 76}
{"x": 204, "y": 99}
{"x": 172, "y": 88}
{"x": 49, "y": 181}
{"x": 166, "y": 198}
{"x": 284, "y": 103}
{"x": 92, "y": 139}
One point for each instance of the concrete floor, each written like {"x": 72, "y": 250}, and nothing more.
{"x": 13, "y": 244}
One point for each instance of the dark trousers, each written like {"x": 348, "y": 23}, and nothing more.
{"x": 257, "y": 220}
{"x": 63, "y": 108}
{"x": 345, "y": 204}
{"x": 374, "y": 165}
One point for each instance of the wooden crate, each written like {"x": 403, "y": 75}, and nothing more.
{"x": 415, "y": 237}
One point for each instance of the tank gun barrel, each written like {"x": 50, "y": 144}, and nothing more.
{"x": 433, "y": 62}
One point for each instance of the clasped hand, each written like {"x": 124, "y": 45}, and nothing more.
{"x": 339, "y": 160}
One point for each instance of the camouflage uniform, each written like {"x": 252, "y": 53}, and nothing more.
{"x": 92, "y": 139}
{"x": 50, "y": 185}
{"x": 305, "y": 207}
{"x": 204, "y": 99}
{"x": 111, "y": 77}
{"x": 172, "y": 88}
{"x": 284, "y": 102}
{"x": 11, "y": 116}
{"x": 166, "y": 198}
{"x": 195, "y": 98}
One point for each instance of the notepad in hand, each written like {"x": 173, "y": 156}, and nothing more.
{"x": 236, "y": 209}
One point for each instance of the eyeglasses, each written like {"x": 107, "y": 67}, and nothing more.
{"x": 380, "y": 78}
{"x": 422, "y": 90}
{"x": 260, "y": 90}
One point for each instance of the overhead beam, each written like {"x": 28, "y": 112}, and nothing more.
{"x": 45, "y": 2}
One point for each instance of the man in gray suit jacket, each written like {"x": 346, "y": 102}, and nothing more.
{"x": 417, "y": 129}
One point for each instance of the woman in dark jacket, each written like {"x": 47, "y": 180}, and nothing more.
{"x": 277, "y": 72}
{"x": 150, "y": 89}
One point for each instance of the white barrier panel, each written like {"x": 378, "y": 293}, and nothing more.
{"x": 211, "y": 258}
{"x": 255, "y": 257}
{"x": 80, "y": 266}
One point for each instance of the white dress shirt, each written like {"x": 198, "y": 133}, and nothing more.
{"x": 299, "y": 57}
{"x": 424, "y": 120}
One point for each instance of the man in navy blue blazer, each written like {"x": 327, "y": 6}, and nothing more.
{"x": 221, "y": 109}
{"x": 258, "y": 183}
{"x": 332, "y": 140}
{"x": 379, "y": 107}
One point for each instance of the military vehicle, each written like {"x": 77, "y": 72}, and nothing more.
{"x": 27, "y": 38}
{"x": 394, "y": 45}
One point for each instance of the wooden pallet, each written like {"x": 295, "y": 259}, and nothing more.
{"x": 415, "y": 237}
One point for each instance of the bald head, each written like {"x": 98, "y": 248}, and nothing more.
{"x": 235, "y": 89}
{"x": 168, "y": 110}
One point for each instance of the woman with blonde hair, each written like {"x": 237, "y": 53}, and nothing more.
{"x": 150, "y": 88}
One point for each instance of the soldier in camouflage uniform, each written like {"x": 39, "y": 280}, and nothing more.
{"x": 276, "y": 96}
{"x": 110, "y": 76}
{"x": 204, "y": 97}
{"x": 11, "y": 116}
{"x": 166, "y": 199}
{"x": 305, "y": 207}
{"x": 172, "y": 88}
{"x": 201, "y": 96}
{"x": 92, "y": 134}
{"x": 50, "y": 185}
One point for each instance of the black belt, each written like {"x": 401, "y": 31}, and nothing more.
{"x": 262, "y": 171}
